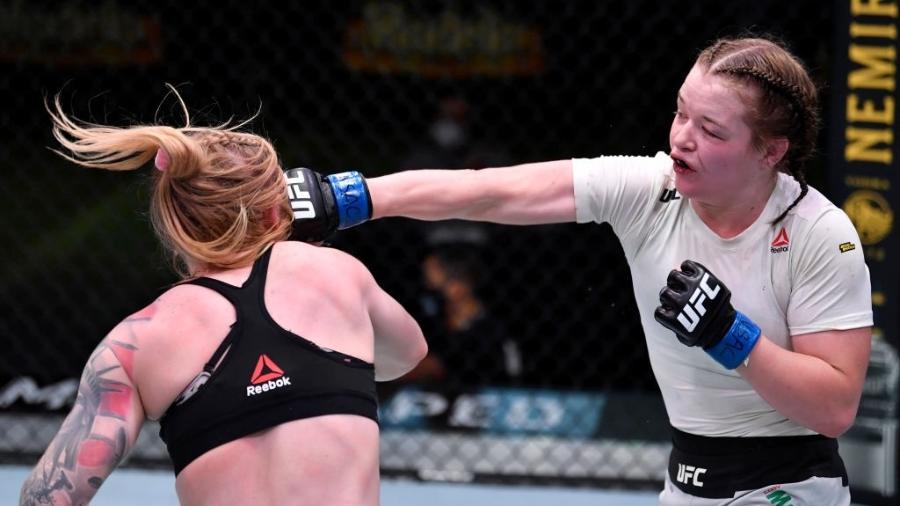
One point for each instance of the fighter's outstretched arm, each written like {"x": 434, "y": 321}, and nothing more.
{"x": 528, "y": 194}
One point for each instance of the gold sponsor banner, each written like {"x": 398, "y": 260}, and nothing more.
{"x": 864, "y": 161}
{"x": 865, "y": 135}
{"x": 393, "y": 38}
{"x": 78, "y": 34}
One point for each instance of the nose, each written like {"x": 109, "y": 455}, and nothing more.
{"x": 681, "y": 138}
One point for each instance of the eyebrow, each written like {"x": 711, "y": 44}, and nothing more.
{"x": 705, "y": 118}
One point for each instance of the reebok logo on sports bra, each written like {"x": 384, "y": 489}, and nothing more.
{"x": 266, "y": 376}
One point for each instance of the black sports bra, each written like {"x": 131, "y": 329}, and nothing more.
{"x": 261, "y": 376}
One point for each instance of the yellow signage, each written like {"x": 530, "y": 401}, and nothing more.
{"x": 73, "y": 34}
{"x": 871, "y": 213}
{"x": 389, "y": 38}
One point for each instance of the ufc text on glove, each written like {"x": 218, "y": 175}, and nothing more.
{"x": 323, "y": 204}
{"x": 697, "y": 307}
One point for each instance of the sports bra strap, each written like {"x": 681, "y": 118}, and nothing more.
{"x": 253, "y": 286}
{"x": 220, "y": 287}
{"x": 229, "y": 292}
{"x": 256, "y": 282}
{"x": 257, "y": 279}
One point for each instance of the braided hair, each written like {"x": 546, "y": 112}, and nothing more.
{"x": 787, "y": 104}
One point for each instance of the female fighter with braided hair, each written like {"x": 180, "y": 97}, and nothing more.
{"x": 763, "y": 280}
{"x": 284, "y": 409}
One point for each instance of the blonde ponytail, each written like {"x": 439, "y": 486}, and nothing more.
{"x": 114, "y": 148}
{"x": 212, "y": 204}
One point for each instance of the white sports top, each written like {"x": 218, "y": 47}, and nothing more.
{"x": 804, "y": 274}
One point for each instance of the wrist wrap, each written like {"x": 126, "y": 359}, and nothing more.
{"x": 735, "y": 347}
{"x": 351, "y": 197}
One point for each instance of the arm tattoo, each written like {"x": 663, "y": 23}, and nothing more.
{"x": 93, "y": 438}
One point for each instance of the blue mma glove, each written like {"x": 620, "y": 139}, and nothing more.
{"x": 322, "y": 205}
{"x": 697, "y": 307}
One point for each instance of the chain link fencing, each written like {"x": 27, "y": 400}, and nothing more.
{"x": 553, "y": 381}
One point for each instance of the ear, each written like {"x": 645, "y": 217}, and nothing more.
{"x": 775, "y": 150}
{"x": 273, "y": 215}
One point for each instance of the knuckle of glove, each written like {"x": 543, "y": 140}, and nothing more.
{"x": 678, "y": 281}
{"x": 693, "y": 268}
{"x": 669, "y": 298}
{"x": 696, "y": 306}
{"x": 313, "y": 220}
{"x": 692, "y": 304}
{"x": 663, "y": 315}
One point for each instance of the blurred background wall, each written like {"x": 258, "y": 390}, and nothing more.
{"x": 557, "y": 387}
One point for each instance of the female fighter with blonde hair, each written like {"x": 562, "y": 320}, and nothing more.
{"x": 260, "y": 365}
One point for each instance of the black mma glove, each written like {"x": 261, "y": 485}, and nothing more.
{"x": 324, "y": 204}
{"x": 697, "y": 307}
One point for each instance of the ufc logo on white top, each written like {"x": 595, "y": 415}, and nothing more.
{"x": 690, "y": 475}
{"x": 300, "y": 201}
{"x": 691, "y": 313}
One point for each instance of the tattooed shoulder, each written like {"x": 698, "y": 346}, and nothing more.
{"x": 100, "y": 429}
{"x": 123, "y": 341}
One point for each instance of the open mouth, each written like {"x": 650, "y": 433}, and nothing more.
{"x": 680, "y": 166}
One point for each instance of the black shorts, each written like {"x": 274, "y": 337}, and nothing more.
{"x": 718, "y": 467}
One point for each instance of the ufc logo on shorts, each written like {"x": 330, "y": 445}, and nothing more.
{"x": 694, "y": 309}
{"x": 690, "y": 475}
{"x": 300, "y": 201}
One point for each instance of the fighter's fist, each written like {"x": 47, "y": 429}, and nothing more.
{"x": 323, "y": 204}
{"x": 697, "y": 307}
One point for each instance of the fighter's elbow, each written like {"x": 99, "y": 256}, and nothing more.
{"x": 837, "y": 422}
{"x": 390, "y": 365}
{"x": 420, "y": 350}
{"x": 414, "y": 353}
{"x": 416, "y": 347}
